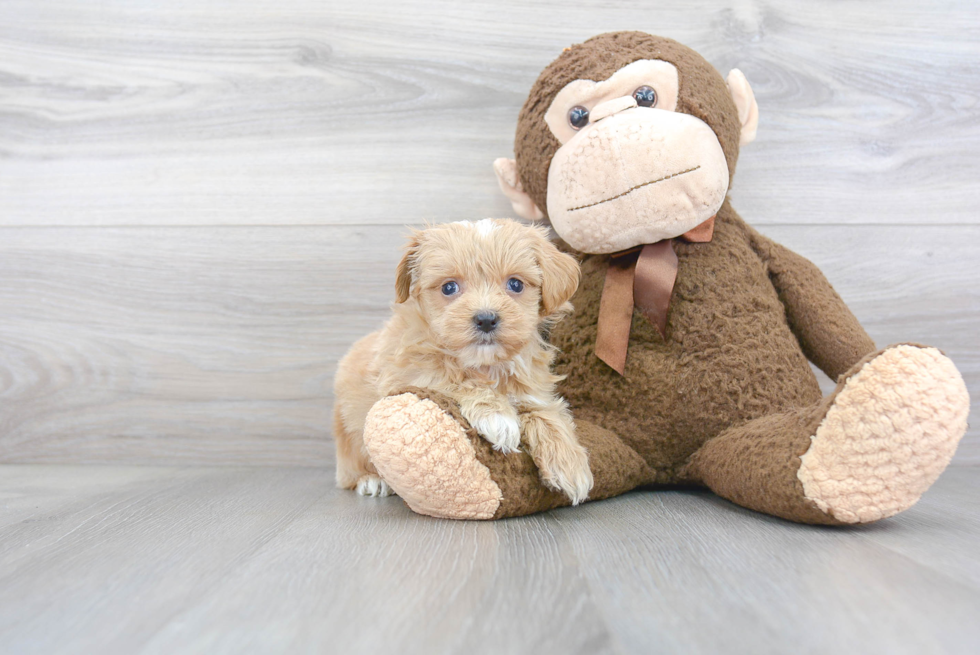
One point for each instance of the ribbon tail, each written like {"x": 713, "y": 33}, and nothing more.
{"x": 656, "y": 271}
{"x": 644, "y": 278}
{"x": 616, "y": 313}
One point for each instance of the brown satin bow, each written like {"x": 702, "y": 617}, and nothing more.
{"x": 642, "y": 277}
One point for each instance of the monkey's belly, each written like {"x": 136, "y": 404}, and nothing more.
{"x": 673, "y": 398}
{"x": 729, "y": 357}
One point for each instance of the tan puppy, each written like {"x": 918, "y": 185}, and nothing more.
{"x": 473, "y": 300}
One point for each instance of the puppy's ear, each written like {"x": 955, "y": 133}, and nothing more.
{"x": 403, "y": 275}
{"x": 560, "y": 274}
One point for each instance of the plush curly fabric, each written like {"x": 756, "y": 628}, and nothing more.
{"x": 866, "y": 452}
{"x": 730, "y": 354}
{"x": 424, "y": 448}
{"x": 702, "y": 93}
{"x": 726, "y": 398}
{"x": 425, "y": 454}
{"x": 892, "y": 429}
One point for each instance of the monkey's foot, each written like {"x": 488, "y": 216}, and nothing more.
{"x": 889, "y": 432}
{"x": 428, "y": 459}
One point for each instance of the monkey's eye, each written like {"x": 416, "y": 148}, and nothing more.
{"x": 450, "y": 288}
{"x": 515, "y": 285}
{"x": 645, "y": 96}
{"x": 578, "y": 117}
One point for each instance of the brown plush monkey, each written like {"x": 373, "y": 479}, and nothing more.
{"x": 686, "y": 357}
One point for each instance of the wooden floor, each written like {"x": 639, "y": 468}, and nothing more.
{"x": 119, "y": 559}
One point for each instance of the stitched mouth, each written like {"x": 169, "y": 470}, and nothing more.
{"x": 638, "y": 186}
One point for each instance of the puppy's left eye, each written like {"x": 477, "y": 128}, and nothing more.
{"x": 449, "y": 288}
{"x": 515, "y": 285}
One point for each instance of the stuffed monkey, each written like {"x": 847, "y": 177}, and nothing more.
{"x": 686, "y": 355}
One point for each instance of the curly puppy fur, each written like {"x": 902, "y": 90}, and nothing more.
{"x": 450, "y": 276}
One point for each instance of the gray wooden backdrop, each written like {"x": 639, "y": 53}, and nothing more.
{"x": 201, "y": 203}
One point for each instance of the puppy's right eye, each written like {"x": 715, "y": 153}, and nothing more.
{"x": 450, "y": 288}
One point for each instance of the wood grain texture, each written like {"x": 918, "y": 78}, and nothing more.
{"x": 182, "y": 345}
{"x": 284, "y": 112}
{"x": 218, "y": 345}
{"x": 201, "y": 204}
{"x": 237, "y": 560}
{"x": 130, "y": 555}
{"x": 693, "y": 573}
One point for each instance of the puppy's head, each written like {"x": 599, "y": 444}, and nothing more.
{"x": 484, "y": 288}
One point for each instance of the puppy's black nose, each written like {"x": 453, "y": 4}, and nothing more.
{"x": 486, "y": 321}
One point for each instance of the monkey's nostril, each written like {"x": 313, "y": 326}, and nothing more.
{"x": 486, "y": 321}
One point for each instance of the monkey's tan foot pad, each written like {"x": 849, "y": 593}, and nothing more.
{"x": 427, "y": 458}
{"x": 888, "y": 434}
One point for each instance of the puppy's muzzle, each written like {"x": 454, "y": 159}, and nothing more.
{"x": 486, "y": 322}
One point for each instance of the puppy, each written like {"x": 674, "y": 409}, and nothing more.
{"x": 473, "y": 301}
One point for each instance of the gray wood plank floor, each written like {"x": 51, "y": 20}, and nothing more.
{"x": 241, "y": 560}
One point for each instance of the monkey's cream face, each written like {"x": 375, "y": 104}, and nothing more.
{"x": 631, "y": 170}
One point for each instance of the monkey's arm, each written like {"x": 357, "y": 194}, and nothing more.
{"x": 828, "y": 332}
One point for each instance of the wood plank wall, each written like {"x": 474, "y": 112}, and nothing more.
{"x": 201, "y": 204}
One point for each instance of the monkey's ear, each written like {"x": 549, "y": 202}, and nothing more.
{"x": 510, "y": 184}
{"x": 748, "y": 109}
{"x": 403, "y": 275}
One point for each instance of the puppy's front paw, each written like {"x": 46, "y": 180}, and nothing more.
{"x": 372, "y": 485}
{"x": 565, "y": 467}
{"x": 501, "y": 430}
